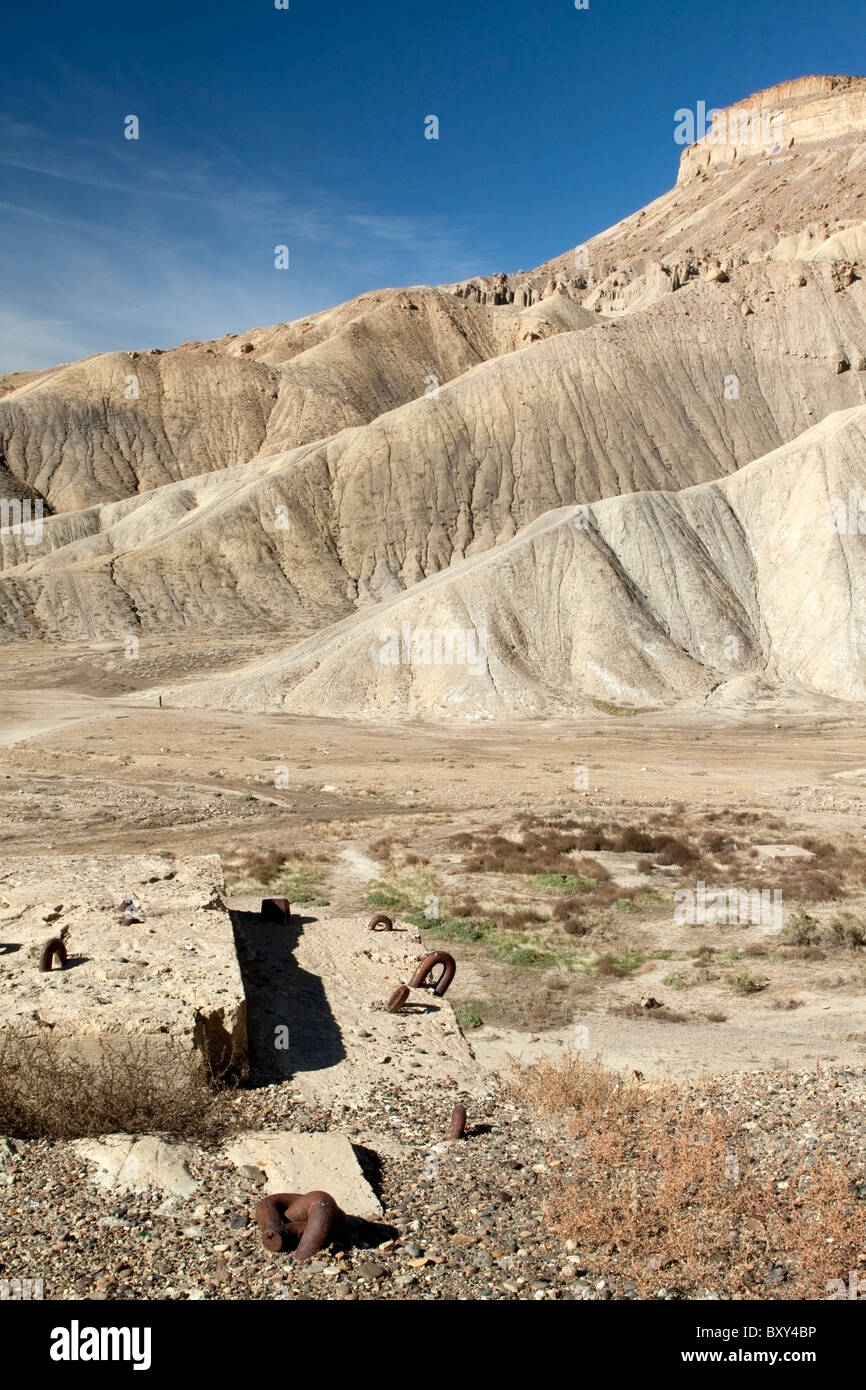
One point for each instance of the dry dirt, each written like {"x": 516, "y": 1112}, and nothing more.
{"x": 105, "y": 776}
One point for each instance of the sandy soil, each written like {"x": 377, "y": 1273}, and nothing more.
{"x": 115, "y": 774}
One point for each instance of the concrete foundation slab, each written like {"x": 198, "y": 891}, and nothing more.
{"x": 150, "y": 948}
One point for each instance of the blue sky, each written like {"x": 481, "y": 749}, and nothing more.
{"x": 305, "y": 127}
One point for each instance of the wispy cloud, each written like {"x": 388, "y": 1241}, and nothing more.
{"x": 177, "y": 245}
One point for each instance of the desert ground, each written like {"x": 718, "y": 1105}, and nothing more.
{"x": 368, "y": 816}
{"x": 752, "y": 1027}
{"x": 530, "y": 615}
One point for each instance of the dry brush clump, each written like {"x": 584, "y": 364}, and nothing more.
{"x": 136, "y": 1086}
{"x": 662, "y": 1192}
{"x": 541, "y": 845}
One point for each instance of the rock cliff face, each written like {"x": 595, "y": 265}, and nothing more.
{"x": 284, "y": 479}
{"x": 809, "y": 111}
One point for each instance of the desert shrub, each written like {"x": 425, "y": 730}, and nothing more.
{"x": 846, "y": 932}
{"x": 577, "y": 1084}
{"x": 590, "y": 868}
{"x": 467, "y": 907}
{"x": 559, "y": 883}
{"x": 524, "y": 953}
{"x": 644, "y": 866}
{"x": 608, "y": 967}
{"x": 816, "y": 886}
{"x": 381, "y": 895}
{"x": 650, "y": 1193}
{"x": 745, "y": 983}
{"x": 262, "y": 866}
{"x": 573, "y": 926}
{"x": 662, "y": 1015}
{"x": 676, "y": 852}
{"x": 633, "y": 839}
{"x": 518, "y": 920}
{"x": 137, "y": 1086}
{"x": 568, "y": 907}
{"x": 381, "y": 848}
{"x": 801, "y": 929}
{"x": 716, "y": 841}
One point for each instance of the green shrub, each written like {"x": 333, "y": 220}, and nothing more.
{"x": 801, "y": 930}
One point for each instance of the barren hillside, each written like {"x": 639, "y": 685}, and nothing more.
{"x": 293, "y": 477}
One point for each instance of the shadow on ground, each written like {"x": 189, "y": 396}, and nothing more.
{"x": 280, "y": 995}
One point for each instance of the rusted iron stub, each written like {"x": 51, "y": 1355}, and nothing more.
{"x": 398, "y": 999}
{"x": 458, "y": 1122}
{"x": 276, "y": 910}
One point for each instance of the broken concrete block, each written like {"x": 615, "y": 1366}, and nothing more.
{"x": 308, "y": 1163}
{"x": 138, "y": 1162}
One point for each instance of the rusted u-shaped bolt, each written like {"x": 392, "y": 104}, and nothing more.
{"x": 52, "y": 948}
{"x": 313, "y": 1217}
{"x": 439, "y": 985}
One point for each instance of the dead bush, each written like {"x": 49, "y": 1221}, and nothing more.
{"x": 801, "y": 930}
{"x": 573, "y": 926}
{"x": 568, "y": 907}
{"x": 590, "y": 868}
{"x": 652, "y": 1194}
{"x": 846, "y": 932}
{"x": 266, "y": 865}
{"x": 574, "y": 1083}
{"x": 676, "y": 852}
{"x": 136, "y": 1086}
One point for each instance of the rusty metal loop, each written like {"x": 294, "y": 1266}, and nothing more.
{"x": 439, "y": 985}
{"x": 52, "y": 948}
{"x": 380, "y": 917}
{"x": 313, "y": 1218}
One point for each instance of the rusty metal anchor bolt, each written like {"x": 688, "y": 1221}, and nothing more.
{"x": 387, "y": 924}
{"x": 398, "y": 999}
{"x": 313, "y": 1218}
{"x": 420, "y": 981}
{"x": 458, "y": 1122}
{"x": 52, "y": 948}
{"x": 276, "y": 910}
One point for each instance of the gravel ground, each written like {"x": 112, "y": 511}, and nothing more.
{"x": 462, "y": 1220}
